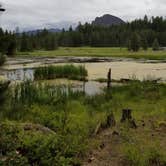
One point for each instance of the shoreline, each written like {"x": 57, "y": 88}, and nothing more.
{"x": 59, "y": 59}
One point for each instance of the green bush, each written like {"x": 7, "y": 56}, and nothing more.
{"x": 21, "y": 147}
{"x": 2, "y": 59}
{"x": 155, "y": 45}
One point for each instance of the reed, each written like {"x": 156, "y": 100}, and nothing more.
{"x": 66, "y": 71}
{"x": 41, "y": 93}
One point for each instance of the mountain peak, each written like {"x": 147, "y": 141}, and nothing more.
{"x": 107, "y": 20}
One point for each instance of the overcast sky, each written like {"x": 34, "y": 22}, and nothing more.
{"x": 41, "y": 13}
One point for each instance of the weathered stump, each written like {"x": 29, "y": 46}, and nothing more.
{"x": 109, "y": 79}
{"x": 111, "y": 120}
{"x": 126, "y": 115}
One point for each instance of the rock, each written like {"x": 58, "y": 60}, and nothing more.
{"x": 107, "y": 20}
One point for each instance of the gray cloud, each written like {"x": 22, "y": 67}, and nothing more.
{"x": 39, "y": 13}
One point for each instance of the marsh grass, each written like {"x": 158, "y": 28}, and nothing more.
{"x": 66, "y": 71}
{"x": 98, "y": 52}
{"x": 73, "y": 117}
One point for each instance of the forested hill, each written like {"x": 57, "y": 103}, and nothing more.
{"x": 143, "y": 32}
{"x": 107, "y": 20}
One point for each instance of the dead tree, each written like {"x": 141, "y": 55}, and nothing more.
{"x": 109, "y": 79}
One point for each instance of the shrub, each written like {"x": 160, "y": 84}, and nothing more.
{"x": 155, "y": 45}
{"x": 2, "y": 59}
{"x": 135, "y": 42}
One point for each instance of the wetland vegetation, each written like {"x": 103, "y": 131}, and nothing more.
{"x": 54, "y": 125}
{"x": 65, "y": 71}
{"x": 116, "y": 52}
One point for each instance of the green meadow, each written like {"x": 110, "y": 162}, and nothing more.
{"x": 98, "y": 52}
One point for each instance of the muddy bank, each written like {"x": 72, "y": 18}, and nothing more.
{"x": 122, "y": 68}
{"x": 51, "y": 60}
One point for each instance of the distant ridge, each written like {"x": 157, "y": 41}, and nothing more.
{"x": 34, "y": 32}
{"x": 107, "y": 20}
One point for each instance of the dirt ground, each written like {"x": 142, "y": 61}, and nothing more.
{"x": 109, "y": 151}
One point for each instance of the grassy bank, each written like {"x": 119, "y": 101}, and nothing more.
{"x": 98, "y": 52}
{"x": 50, "y": 125}
{"x": 66, "y": 71}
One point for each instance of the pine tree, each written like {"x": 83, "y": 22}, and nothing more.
{"x": 155, "y": 45}
{"x": 144, "y": 43}
{"x": 24, "y": 43}
{"x": 135, "y": 42}
{"x": 129, "y": 45}
{"x": 11, "y": 51}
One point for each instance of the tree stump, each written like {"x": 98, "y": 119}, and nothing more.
{"x": 111, "y": 120}
{"x": 126, "y": 115}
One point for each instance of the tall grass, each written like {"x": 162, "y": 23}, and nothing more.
{"x": 150, "y": 156}
{"x": 66, "y": 71}
{"x": 42, "y": 93}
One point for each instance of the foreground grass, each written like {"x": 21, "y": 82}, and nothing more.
{"x": 49, "y": 125}
{"x": 98, "y": 52}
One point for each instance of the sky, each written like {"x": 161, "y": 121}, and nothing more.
{"x": 36, "y": 14}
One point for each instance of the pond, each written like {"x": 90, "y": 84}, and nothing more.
{"x": 96, "y": 70}
{"x": 99, "y": 70}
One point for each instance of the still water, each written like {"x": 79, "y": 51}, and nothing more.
{"x": 120, "y": 70}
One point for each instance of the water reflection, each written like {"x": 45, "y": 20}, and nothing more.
{"x": 90, "y": 88}
{"x": 20, "y": 75}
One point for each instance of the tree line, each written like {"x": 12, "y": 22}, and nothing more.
{"x": 135, "y": 34}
